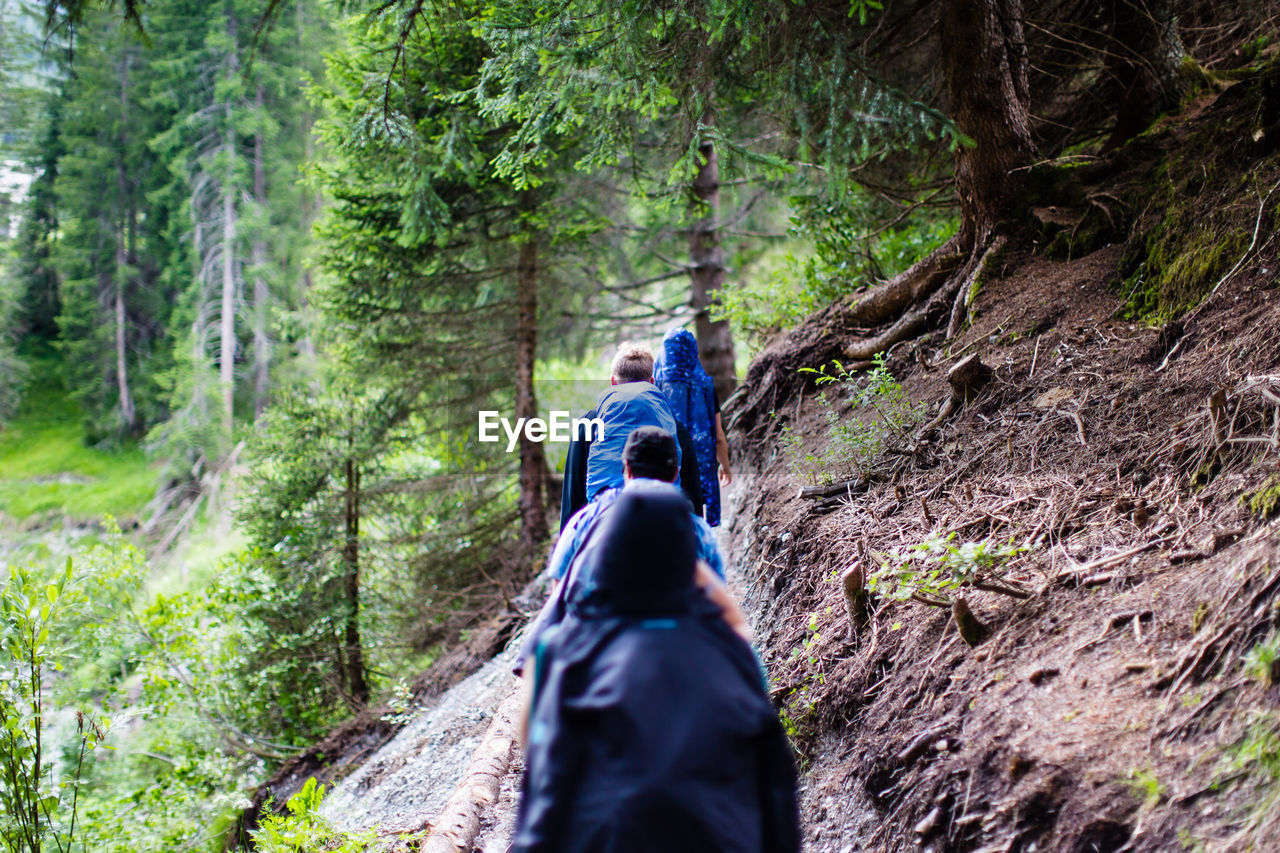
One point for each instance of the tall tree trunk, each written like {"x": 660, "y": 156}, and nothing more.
{"x": 1144, "y": 64}
{"x": 533, "y": 463}
{"x": 128, "y": 412}
{"x": 227, "y": 354}
{"x": 261, "y": 340}
{"x": 356, "y": 682}
{"x": 715, "y": 339}
{"x": 984, "y": 61}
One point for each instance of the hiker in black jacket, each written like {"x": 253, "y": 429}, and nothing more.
{"x": 650, "y": 728}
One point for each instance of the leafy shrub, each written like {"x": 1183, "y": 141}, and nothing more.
{"x": 40, "y": 796}
{"x": 304, "y": 830}
{"x": 854, "y": 445}
{"x": 935, "y": 570}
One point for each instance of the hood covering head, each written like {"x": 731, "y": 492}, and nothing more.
{"x": 679, "y": 358}
{"x": 641, "y": 563}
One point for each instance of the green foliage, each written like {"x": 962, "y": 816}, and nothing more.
{"x": 834, "y": 248}
{"x": 45, "y": 466}
{"x": 1262, "y": 662}
{"x": 853, "y": 445}
{"x": 690, "y": 71}
{"x": 1147, "y": 786}
{"x": 935, "y": 570}
{"x": 801, "y": 701}
{"x": 38, "y": 792}
{"x": 303, "y": 830}
{"x": 1256, "y": 755}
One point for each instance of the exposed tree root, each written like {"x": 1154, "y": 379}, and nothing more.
{"x": 964, "y": 296}
{"x": 935, "y": 290}
{"x": 917, "y": 283}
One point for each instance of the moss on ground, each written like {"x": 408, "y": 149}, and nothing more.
{"x": 1202, "y": 206}
{"x": 1266, "y": 501}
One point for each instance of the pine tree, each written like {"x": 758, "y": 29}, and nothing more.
{"x": 441, "y": 267}
{"x": 242, "y": 125}
{"x": 112, "y": 247}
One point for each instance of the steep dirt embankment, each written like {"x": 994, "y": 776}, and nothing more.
{"x": 1118, "y": 705}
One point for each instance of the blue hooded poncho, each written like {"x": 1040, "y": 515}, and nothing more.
{"x": 651, "y": 729}
{"x": 692, "y": 395}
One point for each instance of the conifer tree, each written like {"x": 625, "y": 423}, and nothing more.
{"x": 112, "y": 248}
{"x": 442, "y": 268}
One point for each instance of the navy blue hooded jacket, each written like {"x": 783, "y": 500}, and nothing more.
{"x": 651, "y": 729}
{"x": 692, "y": 395}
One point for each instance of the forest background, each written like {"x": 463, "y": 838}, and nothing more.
{"x": 262, "y": 262}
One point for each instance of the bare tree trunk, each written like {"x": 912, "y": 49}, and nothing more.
{"x": 715, "y": 339}
{"x": 128, "y": 412}
{"x": 355, "y": 679}
{"x": 533, "y": 463}
{"x": 261, "y": 295}
{"x": 984, "y": 61}
{"x": 227, "y": 356}
{"x": 1144, "y": 65}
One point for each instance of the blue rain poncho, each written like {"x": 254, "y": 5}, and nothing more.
{"x": 622, "y": 408}
{"x": 692, "y": 395}
{"x": 651, "y": 729}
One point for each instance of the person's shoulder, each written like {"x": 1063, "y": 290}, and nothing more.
{"x": 589, "y": 511}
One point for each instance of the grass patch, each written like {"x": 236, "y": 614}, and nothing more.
{"x": 45, "y": 466}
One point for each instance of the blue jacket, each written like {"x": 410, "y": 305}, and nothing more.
{"x": 692, "y": 395}
{"x": 623, "y": 408}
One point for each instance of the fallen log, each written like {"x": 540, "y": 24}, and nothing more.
{"x": 844, "y": 487}
{"x": 456, "y": 829}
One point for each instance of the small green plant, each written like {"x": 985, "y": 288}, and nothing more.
{"x": 805, "y": 465}
{"x": 1189, "y": 841}
{"x": 302, "y": 829}
{"x": 1262, "y": 662}
{"x": 935, "y": 570}
{"x": 854, "y": 445}
{"x": 1146, "y": 785}
{"x": 801, "y": 703}
{"x": 400, "y": 704}
{"x": 1257, "y": 755}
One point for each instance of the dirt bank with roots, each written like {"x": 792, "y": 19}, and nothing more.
{"x": 1120, "y": 701}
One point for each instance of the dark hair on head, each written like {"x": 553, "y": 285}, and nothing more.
{"x": 652, "y": 453}
{"x": 632, "y": 363}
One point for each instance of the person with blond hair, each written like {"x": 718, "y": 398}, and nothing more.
{"x": 630, "y": 401}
